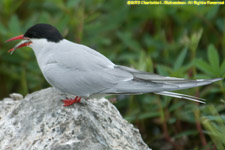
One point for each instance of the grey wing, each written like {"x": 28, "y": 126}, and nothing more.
{"x": 82, "y": 71}
{"x": 97, "y": 80}
{"x": 78, "y": 82}
{"x": 144, "y": 82}
{"x": 147, "y": 82}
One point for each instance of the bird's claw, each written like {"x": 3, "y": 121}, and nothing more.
{"x": 68, "y": 102}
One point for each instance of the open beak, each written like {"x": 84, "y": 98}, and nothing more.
{"x": 23, "y": 43}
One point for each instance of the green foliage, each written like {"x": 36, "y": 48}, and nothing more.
{"x": 179, "y": 41}
{"x": 213, "y": 68}
{"x": 215, "y": 126}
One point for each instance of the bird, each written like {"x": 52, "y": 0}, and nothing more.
{"x": 85, "y": 73}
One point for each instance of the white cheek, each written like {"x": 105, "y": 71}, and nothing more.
{"x": 38, "y": 44}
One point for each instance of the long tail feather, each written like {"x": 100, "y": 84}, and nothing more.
{"x": 178, "y": 95}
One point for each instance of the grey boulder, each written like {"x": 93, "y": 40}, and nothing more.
{"x": 41, "y": 122}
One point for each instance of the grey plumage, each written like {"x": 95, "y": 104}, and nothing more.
{"x": 81, "y": 71}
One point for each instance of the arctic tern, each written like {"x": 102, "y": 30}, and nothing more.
{"x": 85, "y": 73}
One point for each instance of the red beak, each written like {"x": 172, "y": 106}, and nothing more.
{"x": 20, "y": 37}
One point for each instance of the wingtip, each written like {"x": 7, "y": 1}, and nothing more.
{"x": 210, "y": 80}
{"x": 217, "y": 79}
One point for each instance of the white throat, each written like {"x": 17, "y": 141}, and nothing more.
{"x": 43, "y": 50}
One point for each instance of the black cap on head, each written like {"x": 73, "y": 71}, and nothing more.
{"x": 46, "y": 31}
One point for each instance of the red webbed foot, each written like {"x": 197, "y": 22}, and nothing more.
{"x": 68, "y": 102}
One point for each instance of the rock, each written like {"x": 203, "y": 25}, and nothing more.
{"x": 16, "y": 96}
{"x": 41, "y": 122}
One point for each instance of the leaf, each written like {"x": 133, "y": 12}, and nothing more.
{"x": 128, "y": 40}
{"x": 222, "y": 69}
{"x": 203, "y": 66}
{"x": 180, "y": 59}
{"x": 162, "y": 70}
{"x": 214, "y": 59}
{"x": 195, "y": 38}
{"x": 148, "y": 115}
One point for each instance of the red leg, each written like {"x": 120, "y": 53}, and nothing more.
{"x": 68, "y": 102}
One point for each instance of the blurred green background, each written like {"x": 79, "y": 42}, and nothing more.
{"x": 180, "y": 41}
